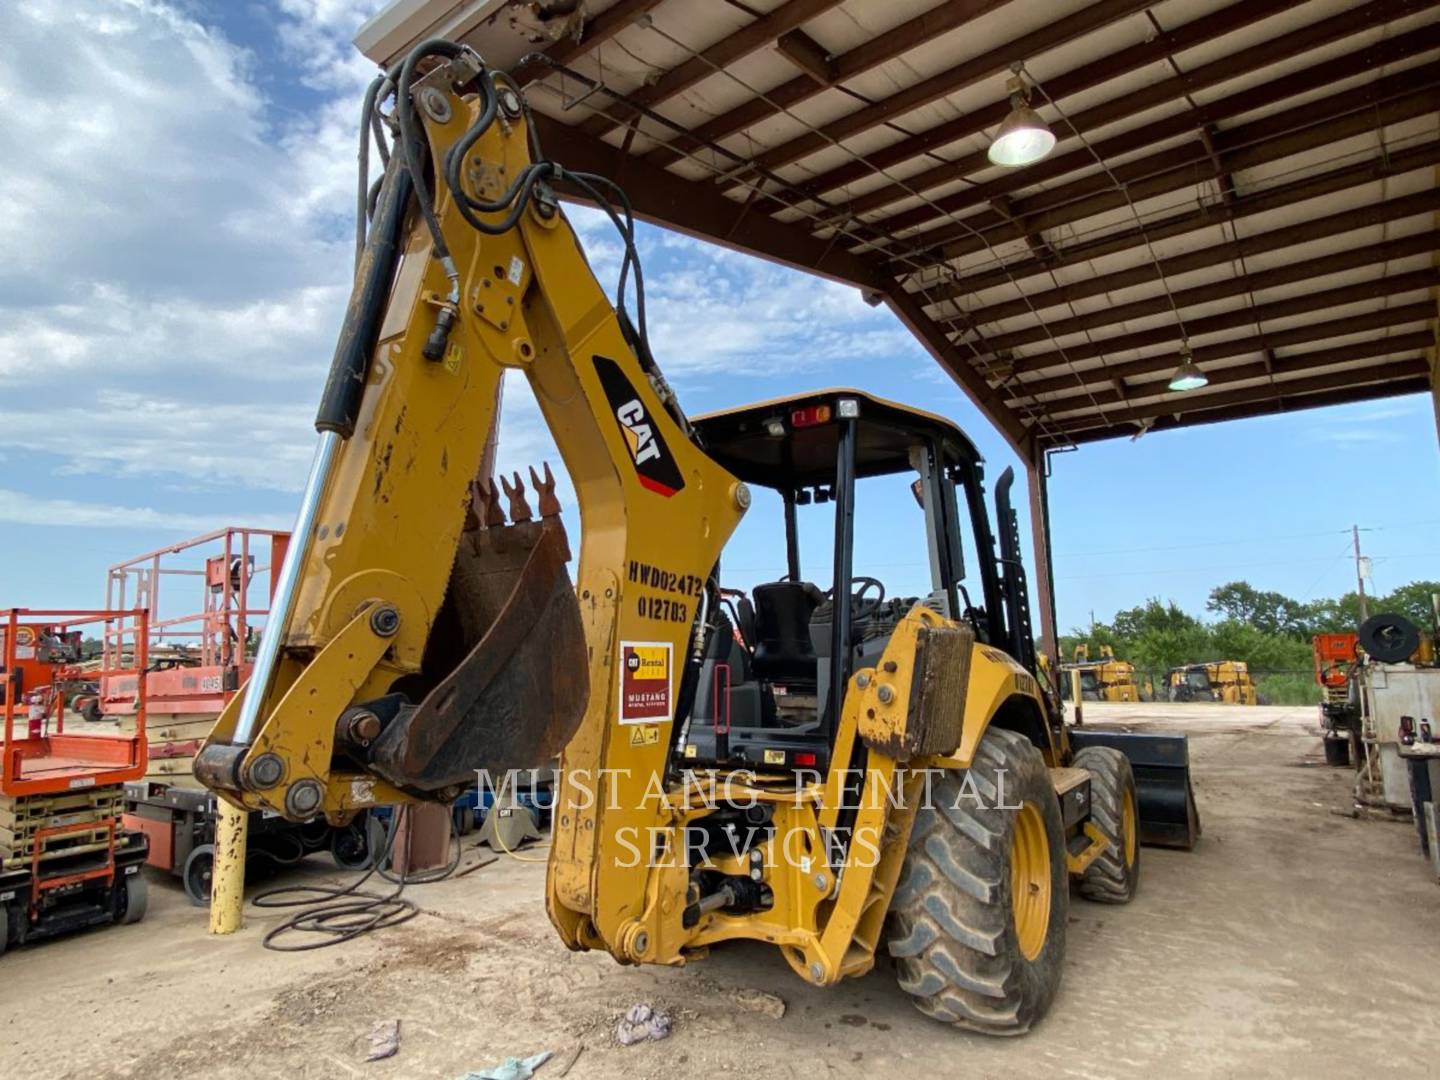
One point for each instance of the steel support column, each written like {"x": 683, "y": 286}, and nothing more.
{"x": 1039, "y": 487}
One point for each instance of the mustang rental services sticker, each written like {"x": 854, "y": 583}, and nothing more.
{"x": 644, "y": 681}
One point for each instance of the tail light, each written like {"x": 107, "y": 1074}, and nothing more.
{"x": 810, "y": 416}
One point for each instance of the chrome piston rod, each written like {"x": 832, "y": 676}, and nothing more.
{"x": 287, "y": 589}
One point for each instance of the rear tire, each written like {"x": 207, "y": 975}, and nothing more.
{"x": 464, "y": 819}
{"x": 350, "y": 845}
{"x": 965, "y": 950}
{"x": 1337, "y": 751}
{"x": 198, "y": 873}
{"x": 131, "y": 899}
{"x": 1115, "y": 874}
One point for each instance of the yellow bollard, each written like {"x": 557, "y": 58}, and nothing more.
{"x": 227, "y": 885}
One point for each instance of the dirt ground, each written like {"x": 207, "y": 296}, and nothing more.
{"x": 1293, "y": 941}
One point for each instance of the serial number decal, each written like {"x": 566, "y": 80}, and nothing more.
{"x": 677, "y": 589}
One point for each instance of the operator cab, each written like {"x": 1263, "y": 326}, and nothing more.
{"x": 768, "y": 685}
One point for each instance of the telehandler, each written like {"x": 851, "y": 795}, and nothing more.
{"x": 836, "y": 773}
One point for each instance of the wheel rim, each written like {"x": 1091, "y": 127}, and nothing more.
{"x": 1030, "y": 879}
{"x": 1127, "y": 826}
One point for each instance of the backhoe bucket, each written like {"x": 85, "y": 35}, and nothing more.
{"x": 510, "y": 637}
{"x": 1168, "y": 815}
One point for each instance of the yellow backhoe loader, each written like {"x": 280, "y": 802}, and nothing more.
{"x": 1226, "y": 681}
{"x": 1106, "y": 679}
{"x": 838, "y": 773}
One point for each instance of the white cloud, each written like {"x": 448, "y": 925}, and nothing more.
{"x": 20, "y": 508}
{"x": 178, "y": 248}
{"x": 178, "y": 243}
{"x": 219, "y": 445}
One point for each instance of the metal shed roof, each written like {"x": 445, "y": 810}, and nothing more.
{"x": 1253, "y": 177}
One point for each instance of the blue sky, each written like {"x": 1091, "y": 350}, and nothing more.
{"x": 177, "y": 228}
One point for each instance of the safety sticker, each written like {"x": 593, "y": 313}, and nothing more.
{"x": 774, "y": 757}
{"x": 645, "y": 735}
{"x": 517, "y": 270}
{"x": 645, "y": 681}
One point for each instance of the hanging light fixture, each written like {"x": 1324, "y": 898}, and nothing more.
{"x": 1188, "y": 375}
{"x": 1023, "y": 138}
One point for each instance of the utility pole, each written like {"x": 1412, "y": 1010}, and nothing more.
{"x": 1359, "y": 574}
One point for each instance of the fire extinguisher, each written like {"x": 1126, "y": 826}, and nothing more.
{"x": 35, "y": 712}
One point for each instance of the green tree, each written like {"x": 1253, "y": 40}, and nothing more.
{"x": 1412, "y": 600}
{"x": 1270, "y": 612}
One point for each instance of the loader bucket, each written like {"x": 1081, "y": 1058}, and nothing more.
{"x": 507, "y": 656}
{"x": 1168, "y": 815}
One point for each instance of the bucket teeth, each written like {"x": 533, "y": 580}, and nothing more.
{"x": 519, "y": 508}
{"x": 545, "y": 489}
{"x": 487, "y": 498}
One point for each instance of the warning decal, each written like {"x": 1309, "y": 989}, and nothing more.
{"x": 644, "y": 681}
{"x": 645, "y": 735}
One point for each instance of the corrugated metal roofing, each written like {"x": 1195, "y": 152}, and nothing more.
{"x": 1253, "y": 177}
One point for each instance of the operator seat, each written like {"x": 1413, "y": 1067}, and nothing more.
{"x": 783, "y": 649}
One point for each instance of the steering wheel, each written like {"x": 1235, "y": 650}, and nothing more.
{"x": 861, "y": 608}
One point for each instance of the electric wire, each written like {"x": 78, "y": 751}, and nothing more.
{"x": 836, "y": 219}
{"x": 1039, "y": 415}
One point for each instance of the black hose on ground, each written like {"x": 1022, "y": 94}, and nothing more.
{"x": 341, "y": 914}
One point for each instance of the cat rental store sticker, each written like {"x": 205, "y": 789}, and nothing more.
{"x": 645, "y": 683}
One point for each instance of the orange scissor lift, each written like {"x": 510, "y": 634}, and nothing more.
{"x": 208, "y": 598}
{"x": 65, "y": 860}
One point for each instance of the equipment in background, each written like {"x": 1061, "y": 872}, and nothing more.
{"x": 1106, "y": 679}
{"x": 422, "y": 632}
{"x": 1335, "y": 657}
{"x": 1381, "y": 711}
{"x": 65, "y": 861}
{"x": 1396, "y": 686}
{"x": 207, "y": 599}
{"x": 1225, "y": 681}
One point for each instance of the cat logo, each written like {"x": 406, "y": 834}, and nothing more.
{"x": 654, "y": 466}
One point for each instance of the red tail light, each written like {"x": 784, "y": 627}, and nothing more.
{"x": 811, "y": 416}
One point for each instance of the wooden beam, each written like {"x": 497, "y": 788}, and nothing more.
{"x": 994, "y": 61}
{"x": 808, "y": 55}
{"x": 1392, "y": 163}
{"x": 1177, "y": 170}
{"x": 596, "y": 32}
{"x": 1281, "y": 366}
{"x": 1324, "y": 300}
{"x": 1087, "y": 76}
{"x": 896, "y": 41}
{"x": 1288, "y": 274}
{"x": 953, "y": 360}
{"x": 748, "y": 39}
{"x": 1200, "y": 400}
{"x": 1321, "y": 300}
{"x": 1305, "y": 232}
{"x": 1093, "y": 380}
{"x": 1346, "y": 395}
{"x": 699, "y": 210}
